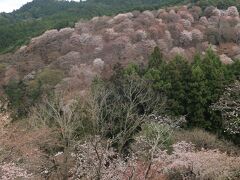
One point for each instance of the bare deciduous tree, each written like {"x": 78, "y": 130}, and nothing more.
{"x": 121, "y": 110}
{"x": 62, "y": 117}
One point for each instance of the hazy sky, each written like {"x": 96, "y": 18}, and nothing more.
{"x": 10, "y": 5}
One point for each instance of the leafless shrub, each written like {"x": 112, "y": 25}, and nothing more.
{"x": 65, "y": 118}
{"x": 153, "y": 138}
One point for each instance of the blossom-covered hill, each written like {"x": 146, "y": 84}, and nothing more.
{"x": 130, "y": 125}
{"x": 94, "y": 47}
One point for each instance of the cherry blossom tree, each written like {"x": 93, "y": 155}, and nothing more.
{"x": 229, "y": 106}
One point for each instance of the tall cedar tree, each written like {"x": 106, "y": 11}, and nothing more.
{"x": 197, "y": 96}
{"x": 191, "y": 88}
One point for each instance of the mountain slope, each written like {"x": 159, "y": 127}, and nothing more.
{"x": 124, "y": 38}
{"x": 18, "y": 27}
{"x": 34, "y": 18}
{"x": 221, "y": 4}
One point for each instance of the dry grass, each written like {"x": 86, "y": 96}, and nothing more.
{"x": 205, "y": 140}
{"x": 27, "y": 149}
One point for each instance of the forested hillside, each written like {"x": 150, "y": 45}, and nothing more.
{"x": 18, "y": 27}
{"x": 34, "y": 18}
{"x": 222, "y": 4}
{"x": 152, "y": 93}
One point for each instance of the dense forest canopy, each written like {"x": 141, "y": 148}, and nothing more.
{"x": 34, "y": 18}
{"x": 18, "y": 27}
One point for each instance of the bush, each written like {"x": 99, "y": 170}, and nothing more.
{"x": 157, "y": 135}
{"x": 2, "y": 67}
{"x": 22, "y": 96}
{"x": 180, "y": 174}
{"x": 205, "y": 164}
{"x": 206, "y": 140}
{"x": 235, "y": 175}
{"x": 50, "y": 77}
{"x": 15, "y": 92}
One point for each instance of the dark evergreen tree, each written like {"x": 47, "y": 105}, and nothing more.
{"x": 197, "y": 100}
{"x": 178, "y": 71}
{"x": 157, "y": 72}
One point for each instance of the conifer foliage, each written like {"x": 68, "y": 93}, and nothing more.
{"x": 191, "y": 88}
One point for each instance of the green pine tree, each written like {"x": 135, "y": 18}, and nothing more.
{"x": 196, "y": 107}
{"x": 178, "y": 71}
